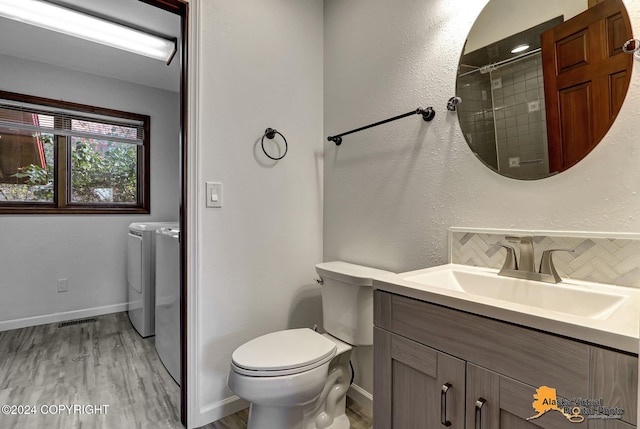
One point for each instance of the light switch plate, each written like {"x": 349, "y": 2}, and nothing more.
{"x": 213, "y": 192}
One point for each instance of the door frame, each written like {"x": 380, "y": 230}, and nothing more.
{"x": 187, "y": 11}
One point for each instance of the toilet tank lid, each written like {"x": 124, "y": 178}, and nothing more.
{"x": 349, "y": 273}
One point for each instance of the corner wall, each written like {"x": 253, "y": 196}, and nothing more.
{"x": 88, "y": 250}
{"x": 391, "y": 192}
{"x": 260, "y": 66}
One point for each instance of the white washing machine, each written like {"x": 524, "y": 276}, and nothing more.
{"x": 141, "y": 274}
{"x": 168, "y": 299}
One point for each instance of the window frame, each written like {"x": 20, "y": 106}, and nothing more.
{"x": 62, "y": 163}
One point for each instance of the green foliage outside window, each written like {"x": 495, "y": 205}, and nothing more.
{"x": 96, "y": 166}
{"x": 99, "y": 165}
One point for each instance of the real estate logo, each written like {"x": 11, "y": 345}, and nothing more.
{"x": 546, "y": 399}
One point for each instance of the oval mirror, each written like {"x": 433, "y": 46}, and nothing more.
{"x": 541, "y": 82}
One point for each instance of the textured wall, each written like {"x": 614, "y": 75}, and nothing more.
{"x": 90, "y": 251}
{"x": 260, "y": 66}
{"x": 392, "y": 192}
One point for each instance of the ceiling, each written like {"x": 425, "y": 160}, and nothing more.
{"x": 36, "y": 44}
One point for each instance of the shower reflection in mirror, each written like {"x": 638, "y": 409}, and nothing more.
{"x": 504, "y": 104}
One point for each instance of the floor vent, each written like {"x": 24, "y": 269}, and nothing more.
{"x": 77, "y": 322}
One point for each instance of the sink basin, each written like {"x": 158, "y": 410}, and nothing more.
{"x": 576, "y": 298}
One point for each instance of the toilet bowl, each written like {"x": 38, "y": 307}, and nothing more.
{"x": 298, "y": 378}
{"x": 284, "y": 375}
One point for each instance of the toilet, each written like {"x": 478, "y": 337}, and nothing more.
{"x": 298, "y": 378}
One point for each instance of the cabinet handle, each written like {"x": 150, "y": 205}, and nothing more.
{"x": 443, "y": 405}
{"x": 479, "y": 404}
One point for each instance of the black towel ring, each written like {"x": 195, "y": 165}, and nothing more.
{"x": 270, "y": 133}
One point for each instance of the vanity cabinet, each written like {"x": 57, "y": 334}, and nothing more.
{"x": 435, "y": 364}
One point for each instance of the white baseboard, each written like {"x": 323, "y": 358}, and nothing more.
{"x": 221, "y": 409}
{"x": 61, "y": 317}
{"x": 361, "y": 396}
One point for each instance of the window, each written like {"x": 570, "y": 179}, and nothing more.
{"x": 59, "y": 157}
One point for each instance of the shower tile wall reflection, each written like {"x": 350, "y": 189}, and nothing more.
{"x": 504, "y": 118}
{"x": 520, "y": 118}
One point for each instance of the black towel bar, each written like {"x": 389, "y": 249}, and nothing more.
{"x": 427, "y": 114}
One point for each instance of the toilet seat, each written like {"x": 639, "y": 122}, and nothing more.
{"x": 283, "y": 353}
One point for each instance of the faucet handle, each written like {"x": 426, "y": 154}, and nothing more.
{"x": 510, "y": 262}
{"x": 546, "y": 263}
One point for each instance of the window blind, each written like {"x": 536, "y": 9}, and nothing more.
{"x": 68, "y": 123}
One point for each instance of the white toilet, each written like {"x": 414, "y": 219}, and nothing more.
{"x": 298, "y": 378}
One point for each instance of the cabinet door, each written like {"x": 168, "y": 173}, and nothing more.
{"x": 614, "y": 379}
{"x": 416, "y": 387}
{"x": 498, "y": 402}
{"x": 483, "y": 398}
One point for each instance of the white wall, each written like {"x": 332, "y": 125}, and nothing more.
{"x": 260, "y": 66}
{"x": 90, "y": 251}
{"x": 503, "y": 18}
{"x": 392, "y": 192}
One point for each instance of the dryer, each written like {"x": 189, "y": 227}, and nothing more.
{"x": 141, "y": 274}
{"x": 168, "y": 299}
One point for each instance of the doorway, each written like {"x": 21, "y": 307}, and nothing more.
{"x": 178, "y": 8}
{"x": 181, "y": 8}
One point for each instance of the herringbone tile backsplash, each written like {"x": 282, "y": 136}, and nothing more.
{"x": 596, "y": 258}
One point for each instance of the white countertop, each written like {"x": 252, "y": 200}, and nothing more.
{"x": 619, "y": 330}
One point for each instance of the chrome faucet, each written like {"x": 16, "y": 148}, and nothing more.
{"x": 525, "y": 268}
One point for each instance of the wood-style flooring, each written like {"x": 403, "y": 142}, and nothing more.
{"x": 101, "y": 363}
{"x": 360, "y": 418}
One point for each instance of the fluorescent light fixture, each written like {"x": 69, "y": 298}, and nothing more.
{"x": 77, "y": 24}
{"x": 520, "y": 48}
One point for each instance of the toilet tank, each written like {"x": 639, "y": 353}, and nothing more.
{"x": 347, "y": 301}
